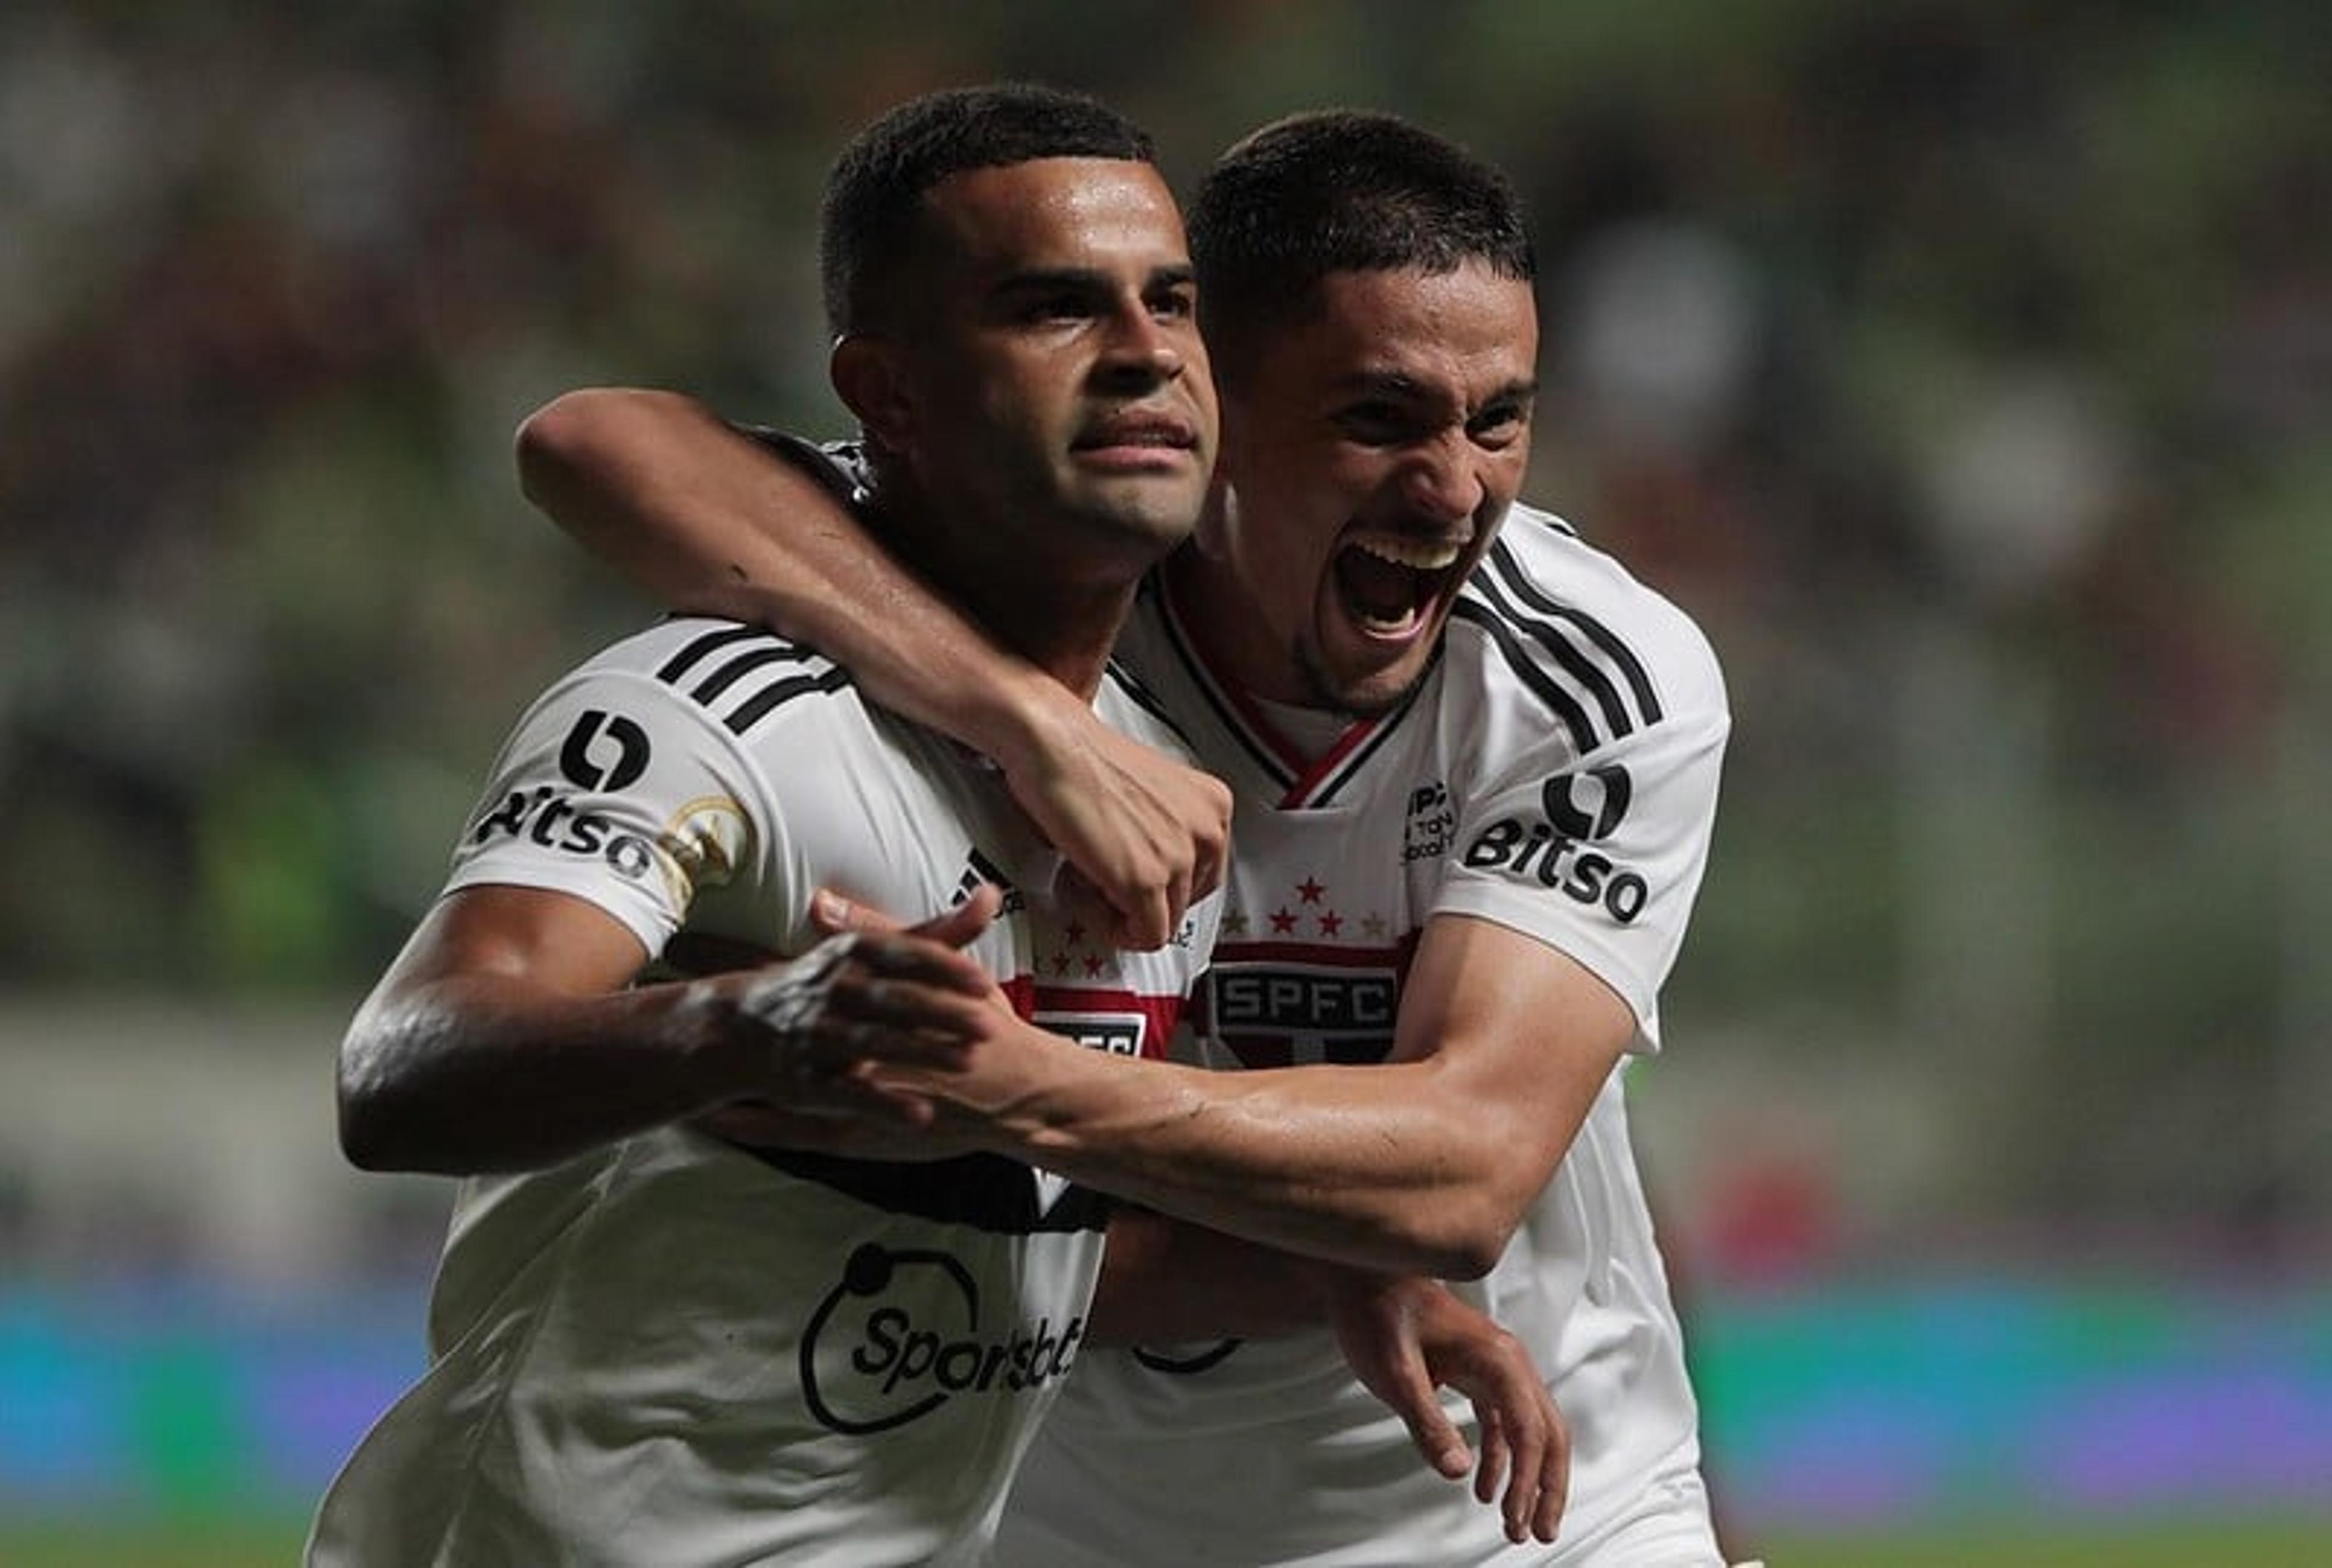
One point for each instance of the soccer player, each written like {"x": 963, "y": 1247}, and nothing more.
{"x": 1475, "y": 767}
{"x": 652, "y": 1343}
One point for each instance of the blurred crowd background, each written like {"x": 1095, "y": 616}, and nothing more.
{"x": 1964, "y": 366}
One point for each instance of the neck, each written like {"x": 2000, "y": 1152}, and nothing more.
{"x": 1061, "y": 615}
{"x": 1215, "y": 611}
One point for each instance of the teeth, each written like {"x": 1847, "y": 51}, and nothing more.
{"x": 1417, "y": 555}
{"x": 1385, "y": 625}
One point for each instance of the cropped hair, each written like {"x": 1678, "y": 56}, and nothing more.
{"x": 1334, "y": 191}
{"x": 868, "y": 224}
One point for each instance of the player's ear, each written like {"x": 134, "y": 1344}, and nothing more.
{"x": 873, "y": 383}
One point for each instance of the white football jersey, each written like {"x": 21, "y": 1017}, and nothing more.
{"x": 1556, "y": 772}
{"x": 671, "y": 1349}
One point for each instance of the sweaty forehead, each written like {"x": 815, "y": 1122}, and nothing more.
{"x": 1057, "y": 212}
{"x": 1469, "y": 331}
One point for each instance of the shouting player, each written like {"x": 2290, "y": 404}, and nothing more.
{"x": 1475, "y": 770}
{"x": 651, "y": 1342}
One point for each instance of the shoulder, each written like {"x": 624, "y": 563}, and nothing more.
{"x": 839, "y": 465}
{"x": 1127, "y": 704}
{"x": 1548, "y": 622}
{"x": 739, "y": 679}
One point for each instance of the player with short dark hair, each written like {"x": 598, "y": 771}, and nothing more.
{"x": 656, "y": 1338}
{"x": 1475, "y": 773}
{"x": 872, "y": 220}
{"x": 651, "y": 1345}
{"x": 1340, "y": 191}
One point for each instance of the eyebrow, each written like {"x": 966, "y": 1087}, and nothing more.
{"x": 1400, "y": 384}
{"x": 1035, "y": 279}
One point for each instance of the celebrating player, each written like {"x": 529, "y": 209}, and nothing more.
{"x": 651, "y": 1345}
{"x": 1475, "y": 770}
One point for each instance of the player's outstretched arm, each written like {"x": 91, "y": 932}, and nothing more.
{"x": 501, "y": 1038}
{"x": 1405, "y": 1338}
{"x": 708, "y": 520}
{"x": 1422, "y": 1165}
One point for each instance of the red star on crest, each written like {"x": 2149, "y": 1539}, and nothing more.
{"x": 1282, "y": 921}
{"x": 1093, "y": 965}
{"x": 1309, "y": 891}
{"x": 1075, "y": 933}
{"x": 1331, "y": 923}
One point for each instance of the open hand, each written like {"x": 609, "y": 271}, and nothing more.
{"x": 1405, "y": 1338}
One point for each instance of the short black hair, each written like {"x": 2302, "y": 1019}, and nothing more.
{"x": 1341, "y": 190}
{"x": 866, "y": 226}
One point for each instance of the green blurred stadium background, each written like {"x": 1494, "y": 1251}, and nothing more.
{"x": 1966, "y": 366}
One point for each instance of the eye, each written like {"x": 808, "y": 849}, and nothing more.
{"x": 1175, "y": 304}
{"x": 1375, "y": 422}
{"x": 1499, "y": 425}
{"x": 1055, "y": 305}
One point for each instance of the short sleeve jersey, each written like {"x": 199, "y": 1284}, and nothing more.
{"x": 1555, "y": 772}
{"x": 673, "y": 1350}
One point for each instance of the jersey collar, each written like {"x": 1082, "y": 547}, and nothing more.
{"x": 1303, "y": 781}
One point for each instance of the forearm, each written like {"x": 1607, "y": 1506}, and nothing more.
{"x": 1395, "y": 1167}
{"x": 507, "y": 1035}
{"x": 475, "y": 1074}
{"x": 1423, "y": 1164}
{"x": 1163, "y": 1279}
{"x": 706, "y": 520}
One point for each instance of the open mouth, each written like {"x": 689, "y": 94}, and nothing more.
{"x": 1389, "y": 586}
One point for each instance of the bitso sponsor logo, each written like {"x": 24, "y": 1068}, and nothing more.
{"x": 900, "y": 1337}
{"x": 596, "y": 736}
{"x": 1581, "y": 810}
{"x": 550, "y": 817}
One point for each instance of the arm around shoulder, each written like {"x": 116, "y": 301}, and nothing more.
{"x": 707, "y": 519}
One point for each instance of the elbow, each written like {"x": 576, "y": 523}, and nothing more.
{"x": 581, "y": 435}
{"x": 554, "y": 441}
{"x": 1471, "y": 1258}
{"x": 364, "y": 1143}
{"x": 368, "y": 1137}
{"x": 1463, "y": 1236}
{"x": 1462, "y": 1252}
{"x": 375, "y": 1131}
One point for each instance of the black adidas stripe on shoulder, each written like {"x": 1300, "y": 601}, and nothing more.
{"x": 1585, "y": 672}
{"x": 743, "y": 673}
{"x": 1147, "y": 701}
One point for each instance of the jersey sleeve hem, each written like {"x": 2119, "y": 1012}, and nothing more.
{"x": 1605, "y": 960}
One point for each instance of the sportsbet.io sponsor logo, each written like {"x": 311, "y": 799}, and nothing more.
{"x": 1582, "y": 809}
{"x": 900, "y": 1337}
